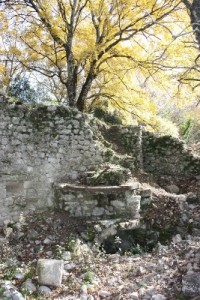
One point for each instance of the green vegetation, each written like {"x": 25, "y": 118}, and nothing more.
{"x": 9, "y": 272}
{"x": 107, "y": 117}
{"x": 89, "y": 277}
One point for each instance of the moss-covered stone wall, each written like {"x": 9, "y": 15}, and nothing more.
{"x": 159, "y": 155}
{"x": 43, "y": 145}
{"x": 168, "y": 156}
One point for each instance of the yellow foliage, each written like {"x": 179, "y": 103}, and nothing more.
{"x": 134, "y": 51}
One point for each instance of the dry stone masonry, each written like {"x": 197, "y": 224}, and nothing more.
{"x": 45, "y": 146}
{"x": 159, "y": 155}
{"x": 40, "y": 146}
{"x": 99, "y": 202}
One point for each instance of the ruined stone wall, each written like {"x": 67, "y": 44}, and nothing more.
{"x": 100, "y": 202}
{"x": 44, "y": 145}
{"x": 159, "y": 155}
{"x": 40, "y": 146}
{"x": 168, "y": 156}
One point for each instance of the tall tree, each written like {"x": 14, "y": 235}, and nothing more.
{"x": 84, "y": 41}
{"x": 193, "y": 8}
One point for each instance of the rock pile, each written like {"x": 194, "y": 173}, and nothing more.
{"x": 70, "y": 269}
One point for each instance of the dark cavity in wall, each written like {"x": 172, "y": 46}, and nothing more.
{"x": 136, "y": 241}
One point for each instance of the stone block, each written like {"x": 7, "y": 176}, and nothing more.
{"x": 98, "y": 211}
{"x": 15, "y": 188}
{"x": 2, "y": 191}
{"x": 118, "y": 204}
{"x": 133, "y": 205}
{"x": 133, "y": 200}
{"x": 78, "y": 212}
{"x": 50, "y": 272}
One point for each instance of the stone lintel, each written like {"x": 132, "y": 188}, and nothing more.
{"x": 84, "y": 188}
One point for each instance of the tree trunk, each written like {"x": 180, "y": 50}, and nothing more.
{"x": 71, "y": 71}
{"x": 195, "y": 19}
{"x": 72, "y": 86}
{"x": 194, "y": 12}
{"x": 71, "y": 81}
{"x": 81, "y": 105}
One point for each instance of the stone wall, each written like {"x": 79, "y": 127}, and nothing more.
{"x": 168, "y": 156}
{"x": 99, "y": 202}
{"x": 158, "y": 155}
{"x": 45, "y": 145}
{"x": 40, "y": 146}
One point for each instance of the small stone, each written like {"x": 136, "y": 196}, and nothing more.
{"x": 84, "y": 289}
{"x": 50, "y": 272}
{"x": 150, "y": 291}
{"x": 177, "y": 238}
{"x": 65, "y": 275}
{"x": 97, "y": 228}
{"x": 69, "y": 266}
{"x": 32, "y": 234}
{"x": 8, "y": 231}
{"x": 189, "y": 266}
{"x": 37, "y": 242}
{"x": 174, "y": 189}
{"x": 105, "y": 294}
{"x": 158, "y": 297}
{"x": 66, "y": 255}
{"x": 44, "y": 290}
{"x": 65, "y": 288}
{"x": 20, "y": 234}
{"x": 7, "y": 285}
{"x": 15, "y": 295}
{"x": 47, "y": 241}
{"x": 29, "y": 286}
{"x": 19, "y": 275}
{"x": 7, "y": 294}
{"x": 49, "y": 253}
{"x": 83, "y": 297}
{"x": 134, "y": 296}
{"x": 191, "y": 285}
{"x": 141, "y": 271}
{"x": 142, "y": 291}
{"x": 131, "y": 288}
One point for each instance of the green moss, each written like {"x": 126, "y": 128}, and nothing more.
{"x": 180, "y": 296}
{"x": 90, "y": 234}
{"x": 110, "y": 176}
{"x": 89, "y": 277}
{"x": 71, "y": 242}
{"x": 107, "y": 117}
{"x": 9, "y": 272}
{"x": 108, "y": 155}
